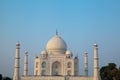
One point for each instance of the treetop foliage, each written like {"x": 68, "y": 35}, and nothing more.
{"x": 110, "y": 72}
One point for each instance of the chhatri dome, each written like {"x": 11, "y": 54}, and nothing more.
{"x": 56, "y": 43}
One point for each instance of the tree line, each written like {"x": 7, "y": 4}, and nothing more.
{"x": 110, "y": 72}
{"x": 4, "y": 78}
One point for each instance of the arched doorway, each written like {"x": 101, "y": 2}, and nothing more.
{"x": 56, "y": 68}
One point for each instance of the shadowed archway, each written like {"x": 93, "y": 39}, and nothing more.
{"x": 56, "y": 68}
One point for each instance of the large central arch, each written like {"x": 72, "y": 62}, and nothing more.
{"x": 56, "y": 68}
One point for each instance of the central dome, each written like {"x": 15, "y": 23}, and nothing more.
{"x": 56, "y": 43}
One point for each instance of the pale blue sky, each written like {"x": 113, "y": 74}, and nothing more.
{"x": 79, "y": 22}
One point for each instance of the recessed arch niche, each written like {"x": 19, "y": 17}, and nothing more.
{"x": 56, "y": 68}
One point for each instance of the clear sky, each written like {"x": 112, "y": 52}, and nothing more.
{"x": 80, "y": 23}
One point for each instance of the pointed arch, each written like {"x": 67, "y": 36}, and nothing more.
{"x": 56, "y": 68}
{"x": 69, "y": 65}
{"x": 43, "y": 64}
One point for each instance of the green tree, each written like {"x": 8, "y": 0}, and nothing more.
{"x": 111, "y": 66}
{"x": 110, "y": 72}
{"x": 0, "y": 76}
{"x": 7, "y": 78}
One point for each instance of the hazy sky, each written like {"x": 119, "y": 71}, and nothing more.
{"x": 80, "y": 23}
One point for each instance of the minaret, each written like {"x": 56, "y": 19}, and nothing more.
{"x": 86, "y": 63}
{"x": 17, "y": 62}
{"x": 96, "y": 64}
{"x": 25, "y": 64}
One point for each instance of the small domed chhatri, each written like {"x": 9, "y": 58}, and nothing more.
{"x": 56, "y": 43}
{"x": 68, "y": 52}
{"x": 43, "y": 52}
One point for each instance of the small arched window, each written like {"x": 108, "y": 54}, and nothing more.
{"x": 76, "y": 72}
{"x": 69, "y": 65}
{"x": 43, "y": 73}
{"x": 36, "y": 72}
{"x": 43, "y": 64}
{"x": 69, "y": 73}
{"x": 36, "y": 64}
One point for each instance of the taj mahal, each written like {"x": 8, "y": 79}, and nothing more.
{"x": 56, "y": 63}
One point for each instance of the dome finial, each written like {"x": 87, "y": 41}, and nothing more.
{"x": 56, "y": 32}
